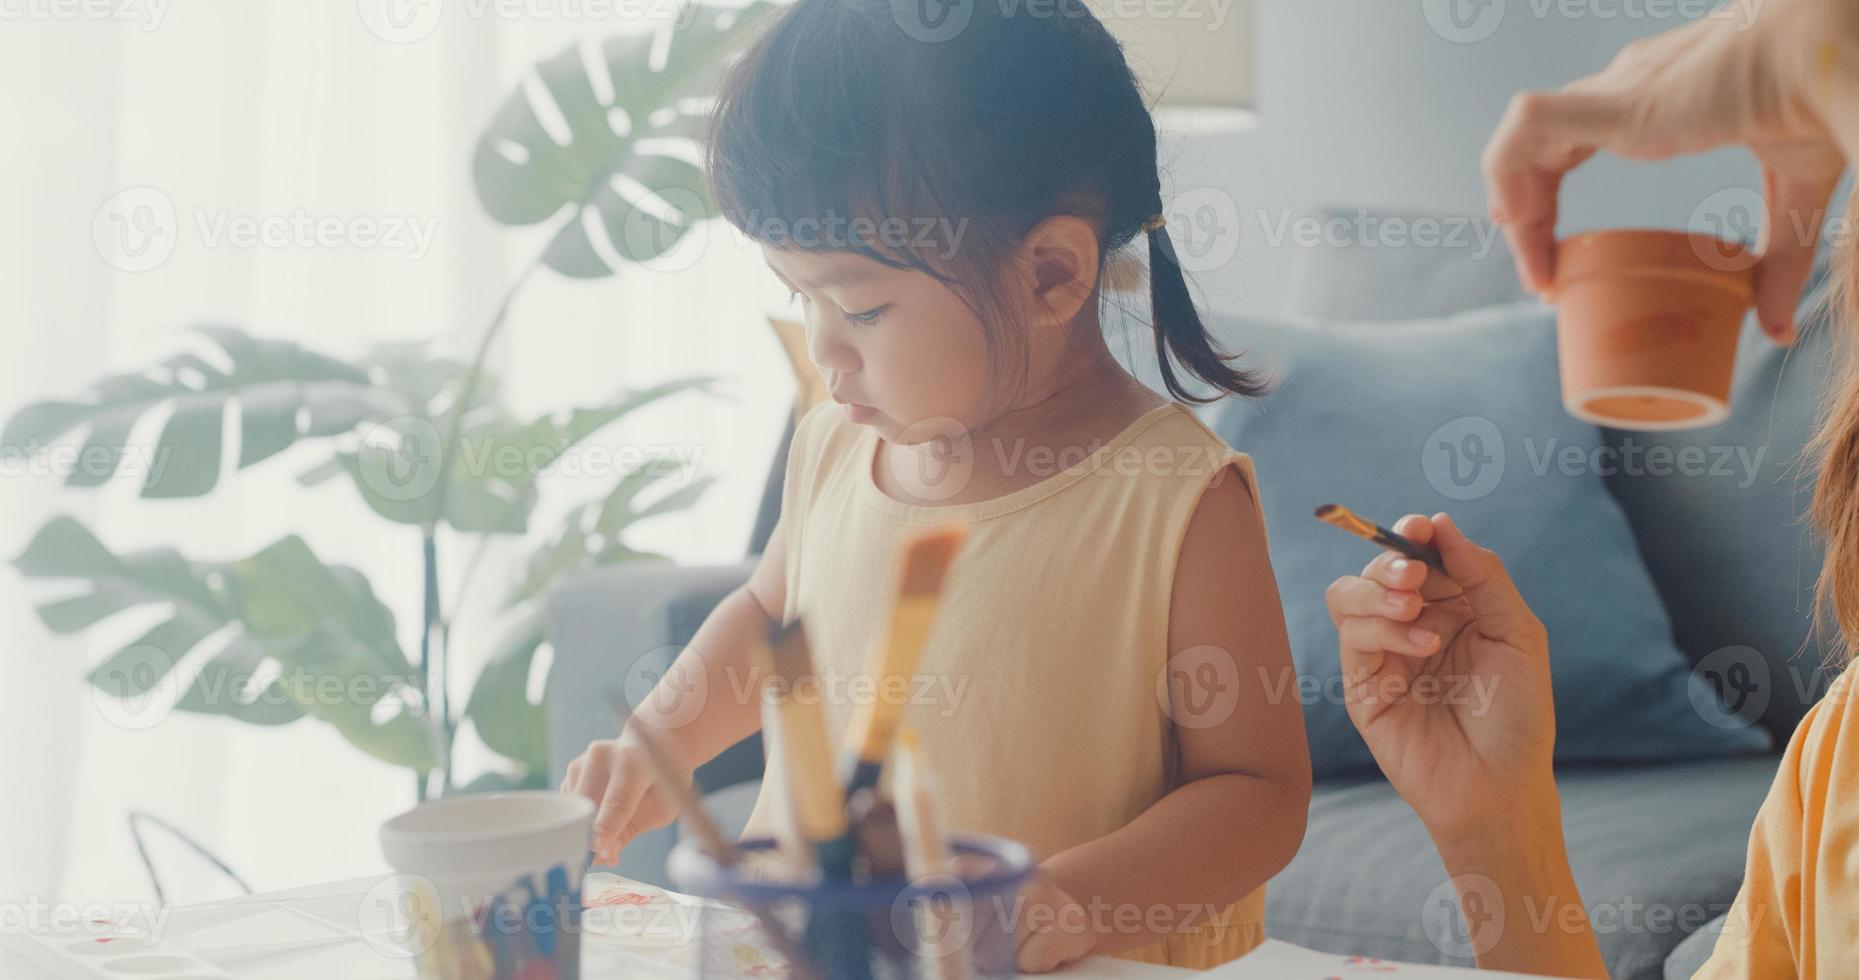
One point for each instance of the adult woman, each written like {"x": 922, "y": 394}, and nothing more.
{"x": 1788, "y": 86}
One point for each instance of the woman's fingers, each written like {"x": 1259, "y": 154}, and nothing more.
{"x": 1795, "y": 205}
{"x": 1373, "y": 635}
{"x": 1542, "y": 136}
{"x": 1480, "y": 574}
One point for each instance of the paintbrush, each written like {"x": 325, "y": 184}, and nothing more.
{"x": 926, "y": 856}
{"x": 712, "y": 841}
{"x": 837, "y": 934}
{"x": 1337, "y": 515}
{"x": 923, "y": 565}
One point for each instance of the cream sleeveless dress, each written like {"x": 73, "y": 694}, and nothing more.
{"x": 1037, "y": 699}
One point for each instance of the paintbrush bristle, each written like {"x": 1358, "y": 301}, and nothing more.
{"x": 927, "y": 559}
{"x": 1346, "y": 519}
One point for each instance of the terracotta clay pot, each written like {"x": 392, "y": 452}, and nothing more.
{"x": 1647, "y": 326}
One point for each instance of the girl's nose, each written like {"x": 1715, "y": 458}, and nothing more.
{"x": 828, "y": 347}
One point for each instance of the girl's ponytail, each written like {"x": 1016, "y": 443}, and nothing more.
{"x": 1180, "y": 332}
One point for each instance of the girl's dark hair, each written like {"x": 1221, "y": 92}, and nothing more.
{"x": 854, "y": 125}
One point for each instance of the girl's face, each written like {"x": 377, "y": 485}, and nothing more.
{"x": 896, "y": 347}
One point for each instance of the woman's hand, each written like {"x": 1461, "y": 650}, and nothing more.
{"x": 1769, "y": 82}
{"x": 1447, "y": 678}
{"x": 617, "y": 775}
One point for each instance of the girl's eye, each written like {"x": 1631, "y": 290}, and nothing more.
{"x": 868, "y": 317}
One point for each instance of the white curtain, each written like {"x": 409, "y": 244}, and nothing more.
{"x": 230, "y": 111}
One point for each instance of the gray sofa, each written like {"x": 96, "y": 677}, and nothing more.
{"x": 1657, "y": 850}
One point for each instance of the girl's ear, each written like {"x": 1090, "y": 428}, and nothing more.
{"x": 1059, "y": 261}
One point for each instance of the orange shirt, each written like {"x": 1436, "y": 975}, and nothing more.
{"x": 1798, "y": 912}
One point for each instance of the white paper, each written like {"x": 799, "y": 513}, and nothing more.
{"x": 1276, "y": 960}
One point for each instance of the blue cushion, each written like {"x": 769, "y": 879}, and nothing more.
{"x": 1464, "y": 415}
{"x": 1731, "y": 499}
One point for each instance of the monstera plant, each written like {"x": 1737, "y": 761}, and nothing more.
{"x": 422, "y": 437}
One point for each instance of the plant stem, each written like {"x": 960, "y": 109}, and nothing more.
{"x": 434, "y": 619}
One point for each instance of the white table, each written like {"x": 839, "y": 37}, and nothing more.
{"x": 14, "y": 966}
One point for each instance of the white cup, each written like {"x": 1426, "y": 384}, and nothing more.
{"x": 488, "y": 886}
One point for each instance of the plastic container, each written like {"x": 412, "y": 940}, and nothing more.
{"x": 1647, "y": 326}
{"x": 946, "y": 927}
{"x": 490, "y": 886}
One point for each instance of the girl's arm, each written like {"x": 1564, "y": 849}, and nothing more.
{"x": 708, "y": 700}
{"x": 1239, "y": 814}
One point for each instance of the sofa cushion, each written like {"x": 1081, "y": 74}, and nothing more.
{"x": 1464, "y": 414}
{"x": 1400, "y": 265}
{"x": 1657, "y": 851}
{"x": 1731, "y": 499}
{"x": 1694, "y": 952}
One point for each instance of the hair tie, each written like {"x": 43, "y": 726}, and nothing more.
{"x": 1155, "y": 223}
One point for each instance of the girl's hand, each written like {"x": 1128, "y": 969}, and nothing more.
{"x": 1765, "y": 80}
{"x": 616, "y": 774}
{"x": 1053, "y": 930}
{"x": 1446, "y": 676}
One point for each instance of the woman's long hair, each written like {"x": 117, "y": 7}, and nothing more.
{"x": 1835, "y": 446}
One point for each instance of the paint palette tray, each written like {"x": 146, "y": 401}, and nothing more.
{"x": 249, "y": 940}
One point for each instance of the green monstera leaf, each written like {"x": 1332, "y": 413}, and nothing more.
{"x": 491, "y": 486}
{"x": 282, "y": 392}
{"x": 300, "y": 637}
{"x": 615, "y": 144}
